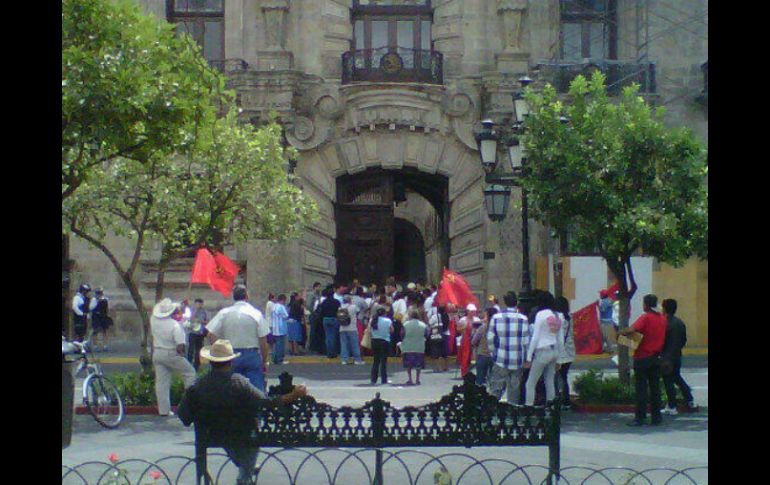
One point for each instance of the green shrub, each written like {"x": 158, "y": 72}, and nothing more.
{"x": 138, "y": 388}
{"x": 594, "y": 388}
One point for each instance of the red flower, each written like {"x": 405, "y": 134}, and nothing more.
{"x": 113, "y": 457}
{"x": 155, "y": 474}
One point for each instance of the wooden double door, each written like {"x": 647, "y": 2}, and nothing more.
{"x": 364, "y": 215}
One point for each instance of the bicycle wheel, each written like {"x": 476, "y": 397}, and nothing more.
{"x": 103, "y": 401}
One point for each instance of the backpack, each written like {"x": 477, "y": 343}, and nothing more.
{"x": 343, "y": 317}
{"x": 554, "y": 323}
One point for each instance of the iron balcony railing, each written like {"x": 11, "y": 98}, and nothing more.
{"x": 619, "y": 74}
{"x": 393, "y": 64}
{"x": 224, "y": 65}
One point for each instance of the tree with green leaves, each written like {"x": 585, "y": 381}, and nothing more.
{"x": 233, "y": 186}
{"x": 616, "y": 179}
{"x": 129, "y": 87}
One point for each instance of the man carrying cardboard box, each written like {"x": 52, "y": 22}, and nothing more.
{"x": 652, "y": 326}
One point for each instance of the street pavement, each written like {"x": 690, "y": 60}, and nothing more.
{"x": 593, "y": 440}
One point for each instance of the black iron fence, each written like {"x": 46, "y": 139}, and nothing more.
{"x": 339, "y": 466}
{"x": 619, "y": 74}
{"x": 393, "y": 64}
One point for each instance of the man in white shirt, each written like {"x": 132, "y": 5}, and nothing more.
{"x": 244, "y": 326}
{"x": 168, "y": 355}
{"x": 80, "y": 309}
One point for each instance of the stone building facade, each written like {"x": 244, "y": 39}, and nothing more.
{"x": 382, "y": 98}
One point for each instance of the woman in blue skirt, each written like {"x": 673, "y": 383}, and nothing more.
{"x": 294, "y": 323}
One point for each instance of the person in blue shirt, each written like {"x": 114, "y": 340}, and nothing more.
{"x": 605, "y": 320}
{"x": 280, "y": 329}
{"x": 382, "y": 328}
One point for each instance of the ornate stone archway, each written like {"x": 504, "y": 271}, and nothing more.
{"x": 358, "y": 127}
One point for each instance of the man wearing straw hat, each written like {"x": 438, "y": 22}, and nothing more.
{"x": 225, "y": 403}
{"x": 168, "y": 354}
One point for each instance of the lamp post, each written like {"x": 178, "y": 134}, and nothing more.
{"x": 497, "y": 189}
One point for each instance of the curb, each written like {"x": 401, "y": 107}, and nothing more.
{"x": 128, "y": 410}
{"x": 579, "y": 407}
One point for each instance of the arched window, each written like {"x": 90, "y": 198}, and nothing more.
{"x": 204, "y": 20}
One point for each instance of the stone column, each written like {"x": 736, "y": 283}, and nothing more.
{"x": 513, "y": 58}
{"x": 274, "y": 55}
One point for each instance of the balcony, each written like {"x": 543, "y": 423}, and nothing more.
{"x": 226, "y": 65}
{"x": 619, "y": 74}
{"x": 393, "y": 64}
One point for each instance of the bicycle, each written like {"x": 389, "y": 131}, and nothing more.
{"x": 100, "y": 395}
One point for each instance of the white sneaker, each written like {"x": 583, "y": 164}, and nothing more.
{"x": 345, "y": 362}
{"x": 359, "y": 362}
{"x": 670, "y": 411}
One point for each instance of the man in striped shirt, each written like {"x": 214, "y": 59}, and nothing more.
{"x": 508, "y": 339}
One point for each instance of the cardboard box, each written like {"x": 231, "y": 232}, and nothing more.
{"x": 631, "y": 341}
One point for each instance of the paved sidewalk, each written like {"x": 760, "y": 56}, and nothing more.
{"x": 128, "y": 353}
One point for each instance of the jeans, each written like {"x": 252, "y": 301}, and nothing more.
{"x": 249, "y": 365}
{"x": 675, "y": 378}
{"x": 562, "y": 382}
{"x": 194, "y": 346}
{"x": 332, "y": 331}
{"x": 349, "y": 346}
{"x": 279, "y": 349}
{"x": 647, "y": 377}
{"x": 484, "y": 365}
{"x": 380, "y": 348}
{"x": 543, "y": 364}
{"x": 505, "y": 379}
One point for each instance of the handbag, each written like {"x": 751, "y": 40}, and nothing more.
{"x": 366, "y": 340}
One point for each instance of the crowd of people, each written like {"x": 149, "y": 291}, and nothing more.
{"x": 522, "y": 349}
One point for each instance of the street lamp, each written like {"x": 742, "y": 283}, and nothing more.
{"x": 486, "y": 140}
{"x": 496, "y": 200}
{"x": 497, "y": 191}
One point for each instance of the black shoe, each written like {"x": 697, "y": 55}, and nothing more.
{"x": 635, "y": 423}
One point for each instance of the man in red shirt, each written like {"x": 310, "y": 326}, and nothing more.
{"x": 652, "y": 325}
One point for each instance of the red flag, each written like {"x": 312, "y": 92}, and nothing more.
{"x": 217, "y": 270}
{"x": 464, "y": 353}
{"x": 588, "y": 335}
{"x": 454, "y": 289}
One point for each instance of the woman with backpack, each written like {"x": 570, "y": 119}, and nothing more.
{"x": 567, "y": 356}
{"x": 347, "y": 316}
{"x": 546, "y": 345}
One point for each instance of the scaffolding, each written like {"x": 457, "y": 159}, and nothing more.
{"x": 642, "y": 70}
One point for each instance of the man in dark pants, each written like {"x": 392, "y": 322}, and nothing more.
{"x": 671, "y": 358}
{"x": 226, "y": 404}
{"x": 652, "y": 325}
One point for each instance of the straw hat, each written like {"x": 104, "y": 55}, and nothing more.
{"x": 163, "y": 308}
{"x": 219, "y": 351}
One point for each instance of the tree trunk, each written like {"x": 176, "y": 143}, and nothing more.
{"x": 621, "y": 268}
{"x": 145, "y": 359}
{"x": 161, "y": 277}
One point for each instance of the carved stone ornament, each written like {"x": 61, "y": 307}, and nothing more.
{"x": 328, "y": 106}
{"x": 457, "y": 104}
{"x": 274, "y": 12}
{"x": 512, "y": 12}
{"x": 303, "y": 128}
